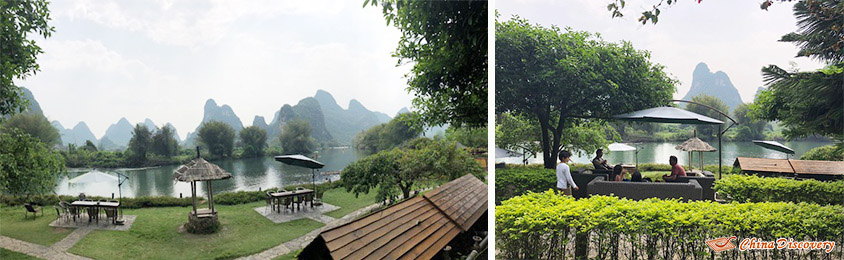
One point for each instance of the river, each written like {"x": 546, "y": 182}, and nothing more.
{"x": 659, "y": 153}
{"x": 247, "y": 174}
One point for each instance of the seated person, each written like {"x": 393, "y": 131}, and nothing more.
{"x": 676, "y": 170}
{"x": 618, "y": 173}
{"x": 599, "y": 162}
{"x": 636, "y": 177}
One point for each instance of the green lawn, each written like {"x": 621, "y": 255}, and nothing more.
{"x": 655, "y": 176}
{"x": 34, "y": 230}
{"x": 155, "y": 235}
{"x": 346, "y": 201}
{"x": 12, "y": 255}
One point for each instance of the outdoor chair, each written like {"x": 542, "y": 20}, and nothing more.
{"x": 58, "y": 212}
{"x": 309, "y": 198}
{"x": 298, "y": 201}
{"x": 270, "y": 204}
{"x": 111, "y": 213}
{"x": 318, "y": 199}
{"x": 32, "y": 209}
{"x": 286, "y": 202}
{"x": 71, "y": 210}
{"x": 93, "y": 214}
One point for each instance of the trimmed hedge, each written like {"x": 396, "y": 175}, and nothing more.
{"x": 750, "y": 188}
{"x": 545, "y": 225}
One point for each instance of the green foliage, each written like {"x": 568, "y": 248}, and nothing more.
{"x": 825, "y": 153}
{"x": 36, "y": 125}
{"x": 253, "y": 139}
{"x": 26, "y": 165}
{"x": 652, "y": 15}
{"x": 820, "y": 26}
{"x": 296, "y": 138}
{"x": 446, "y": 41}
{"x": 84, "y": 158}
{"x": 515, "y": 133}
{"x": 806, "y": 103}
{"x": 163, "y": 142}
{"x": 218, "y": 138}
{"x": 556, "y": 78}
{"x": 708, "y": 132}
{"x": 139, "y": 145}
{"x": 89, "y": 146}
{"x": 419, "y": 163}
{"x": 749, "y": 128}
{"x": 19, "y": 19}
{"x": 544, "y": 226}
{"x": 474, "y": 137}
{"x": 388, "y": 135}
{"x": 748, "y": 188}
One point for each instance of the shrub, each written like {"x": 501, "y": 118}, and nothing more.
{"x": 545, "y": 225}
{"x": 749, "y": 188}
{"x": 824, "y": 153}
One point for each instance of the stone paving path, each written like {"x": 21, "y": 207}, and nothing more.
{"x": 59, "y": 249}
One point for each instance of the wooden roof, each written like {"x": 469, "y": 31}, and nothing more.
{"x": 464, "y": 200}
{"x": 417, "y": 228}
{"x": 790, "y": 166}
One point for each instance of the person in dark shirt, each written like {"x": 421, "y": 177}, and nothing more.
{"x": 599, "y": 162}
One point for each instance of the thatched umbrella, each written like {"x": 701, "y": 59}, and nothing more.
{"x": 200, "y": 170}
{"x": 695, "y": 145}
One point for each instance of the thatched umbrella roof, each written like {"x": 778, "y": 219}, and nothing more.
{"x": 695, "y": 145}
{"x": 200, "y": 170}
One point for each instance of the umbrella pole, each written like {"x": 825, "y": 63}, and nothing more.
{"x": 193, "y": 194}
{"x": 719, "y": 151}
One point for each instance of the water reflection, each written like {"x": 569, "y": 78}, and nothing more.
{"x": 247, "y": 174}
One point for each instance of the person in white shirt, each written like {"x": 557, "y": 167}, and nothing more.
{"x": 564, "y": 180}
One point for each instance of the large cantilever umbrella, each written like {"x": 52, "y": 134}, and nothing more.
{"x": 674, "y": 115}
{"x": 93, "y": 177}
{"x": 302, "y": 161}
{"x": 619, "y": 147}
{"x": 695, "y": 145}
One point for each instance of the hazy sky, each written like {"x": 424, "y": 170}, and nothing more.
{"x": 735, "y": 37}
{"x": 163, "y": 59}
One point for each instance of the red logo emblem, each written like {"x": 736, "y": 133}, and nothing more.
{"x": 721, "y": 244}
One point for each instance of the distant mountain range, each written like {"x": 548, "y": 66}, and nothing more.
{"x": 330, "y": 124}
{"x": 713, "y": 84}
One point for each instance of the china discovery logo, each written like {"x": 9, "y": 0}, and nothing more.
{"x": 724, "y": 243}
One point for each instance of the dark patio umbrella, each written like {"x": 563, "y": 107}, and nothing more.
{"x": 678, "y": 116}
{"x": 774, "y": 145}
{"x": 302, "y": 161}
{"x": 669, "y": 115}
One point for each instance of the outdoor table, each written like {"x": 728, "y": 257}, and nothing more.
{"x": 100, "y": 204}
{"x": 279, "y": 195}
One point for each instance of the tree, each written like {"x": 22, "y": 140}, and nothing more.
{"x": 218, "y": 137}
{"x": 554, "y": 77}
{"x": 26, "y": 165}
{"x": 17, "y": 52}
{"x": 388, "y": 135}
{"x": 809, "y": 103}
{"x": 806, "y": 103}
{"x": 89, "y": 146}
{"x": 296, "y": 138}
{"x": 474, "y": 137}
{"x": 253, "y": 139}
{"x": 708, "y": 132}
{"x": 163, "y": 142}
{"x": 652, "y": 15}
{"x": 420, "y": 162}
{"x": 140, "y": 144}
{"x": 749, "y": 128}
{"x": 446, "y": 41}
{"x": 516, "y": 133}
{"x": 36, "y": 125}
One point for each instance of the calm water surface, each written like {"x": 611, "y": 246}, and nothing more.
{"x": 247, "y": 174}
{"x": 659, "y": 153}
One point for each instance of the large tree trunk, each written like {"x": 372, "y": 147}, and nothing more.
{"x": 547, "y": 155}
